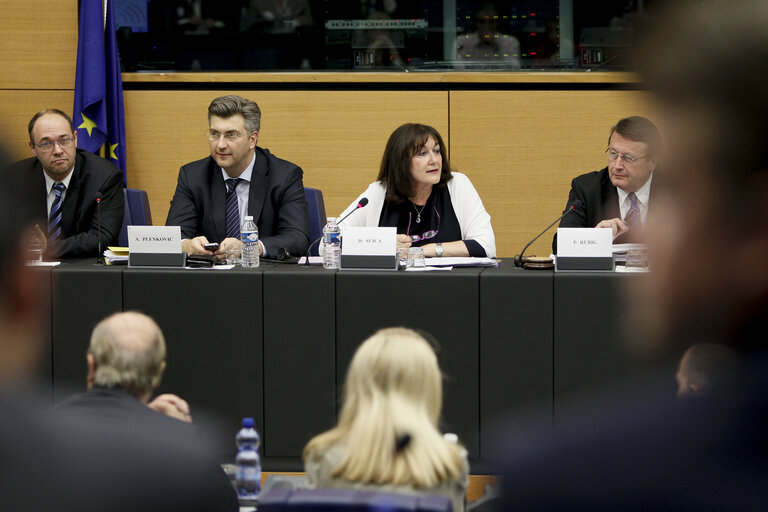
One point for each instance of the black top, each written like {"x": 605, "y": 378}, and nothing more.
{"x": 160, "y": 462}
{"x": 437, "y": 214}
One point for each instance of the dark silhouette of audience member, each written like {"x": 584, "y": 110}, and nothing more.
{"x": 55, "y": 461}
{"x": 708, "y": 247}
{"x": 126, "y": 361}
{"x": 707, "y": 369}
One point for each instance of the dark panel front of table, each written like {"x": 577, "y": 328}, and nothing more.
{"x": 445, "y": 304}
{"x": 83, "y": 294}
{"x": 591, "y": 349}
{"x": 515, "y": 346}
{"x": 299, "y": 357}
{"x": 212, "y": 320}
{"x": 43, "y": 277}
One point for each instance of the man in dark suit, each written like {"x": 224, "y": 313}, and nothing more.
{"x": 618, "y": 195}
{"x": 238, "y": 179}
{"x": 66, "y": 183}
{"x": 126, "y": 360}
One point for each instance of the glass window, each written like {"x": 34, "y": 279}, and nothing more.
{"x": 237, "y": 35}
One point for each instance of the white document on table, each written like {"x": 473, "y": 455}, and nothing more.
{"x": 461, "y": 262}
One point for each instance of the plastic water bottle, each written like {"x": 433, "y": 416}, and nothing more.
{"x": 331, "y": 245}
{"x": 248, "y": 472}
{"x": 249, "y": 236}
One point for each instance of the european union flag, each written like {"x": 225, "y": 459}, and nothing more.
{"x": 98, "y": 114}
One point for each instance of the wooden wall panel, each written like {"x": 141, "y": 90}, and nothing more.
{"x": 18, "y": 107}
{"x": 39, "y": 47}
{"x": 337, "y": 137}
{"x": 522, "y": 149}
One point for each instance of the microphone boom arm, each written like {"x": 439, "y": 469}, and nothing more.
{"x": 539, "y": 235}
{"x": 519, "y": 257}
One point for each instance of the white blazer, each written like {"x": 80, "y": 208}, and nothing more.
{"x": 474, "y": 221}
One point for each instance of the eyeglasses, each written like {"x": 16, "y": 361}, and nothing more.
{"x": 48, "y": 144}
{"x": 427, "y": 234}
{"x": 231, "y": 135}
{"x": 613, "y": 155}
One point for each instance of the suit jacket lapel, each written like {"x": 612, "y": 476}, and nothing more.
{"x": 41, "y": 199}
{"x": 611, "y": 199}
{"x": 72, "y": 199}
{"x": 259, "y": 184}
{"x": 218, "y": 199}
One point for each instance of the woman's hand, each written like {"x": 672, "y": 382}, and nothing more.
{"x": 403, "y": 241}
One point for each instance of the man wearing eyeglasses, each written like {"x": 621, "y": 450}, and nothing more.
{"x": 238, "y": 179}
{"x": 618, "y": 196}
{"x": 69, "y": 180}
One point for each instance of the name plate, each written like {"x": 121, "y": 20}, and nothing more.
{"x": 584, "y": 249}
{"x": 369, "y": 248}
{"x": 155, "y": 246}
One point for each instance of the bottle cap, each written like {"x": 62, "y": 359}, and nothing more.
{"x": 248, "y": 423}
{"x": 248, "y": 217}
{"x": 451, "y": 437}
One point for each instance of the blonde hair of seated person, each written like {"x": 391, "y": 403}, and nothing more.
{"x": 393, "y": 389}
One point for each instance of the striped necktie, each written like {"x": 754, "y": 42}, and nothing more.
{"x": 232, "y": 209}
{"x": 54, "y": 219}
{"x": 633, "y": 218}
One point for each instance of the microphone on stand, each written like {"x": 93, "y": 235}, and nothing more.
{"x": 100, "y": 257}
{"x": 360, "y": 204}
{"x": 519, "y": 259}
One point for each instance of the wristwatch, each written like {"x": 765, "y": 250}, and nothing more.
{"x": 439, "y": 250}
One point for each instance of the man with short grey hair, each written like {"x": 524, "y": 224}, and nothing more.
{"x": 238, "y": 179}
{"x": 126, "y": 360}
{"x": 127, "y": 352}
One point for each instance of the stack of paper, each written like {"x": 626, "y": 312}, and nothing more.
{"x": 620, "y": 251}
{"x": 313, "y": 260}
{"x": 461, "y": 262}
{"x": 116, "y": 255}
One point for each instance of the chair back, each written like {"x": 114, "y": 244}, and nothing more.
{"x": 317, "y": 218}
{"x": 351, "y": 500}
{"x": 137, "y": 212}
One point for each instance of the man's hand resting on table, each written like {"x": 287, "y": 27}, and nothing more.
{"x": 173, "y": 406}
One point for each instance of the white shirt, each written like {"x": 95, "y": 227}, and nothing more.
{"x": 643, "y": 196}
{"x": 50, "y": 193}
{"x": 242, "y": 190}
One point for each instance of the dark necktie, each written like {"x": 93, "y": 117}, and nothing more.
{"x": 54, "y": 219}
{"x": 232, "y": 209}
{"x": 633, "y": 219}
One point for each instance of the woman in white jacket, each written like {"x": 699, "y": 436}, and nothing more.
{"x": 430, "y": 206}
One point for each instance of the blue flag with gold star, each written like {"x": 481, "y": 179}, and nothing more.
{"x": 98, "y": 113}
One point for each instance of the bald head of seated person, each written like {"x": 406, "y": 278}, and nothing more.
{"x": 618, "y": 195}
{"x": 126, "y": 360}
{"x": 66, "y": 183}
{"x": 707, "y": 369}
{"x": 238, "y": 179}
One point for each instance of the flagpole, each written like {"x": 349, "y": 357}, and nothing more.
{"x": 103, "y": 149}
